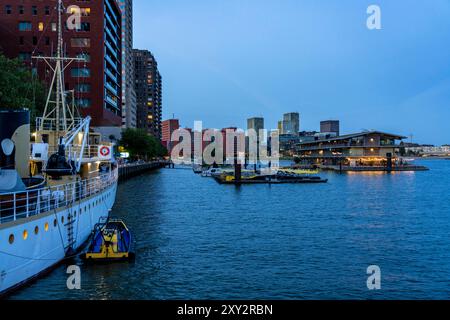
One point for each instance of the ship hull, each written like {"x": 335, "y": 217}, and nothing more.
{"x": 42, "y": 242}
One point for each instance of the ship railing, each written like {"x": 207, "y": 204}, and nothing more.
{"x": 20, "y": 205}
{"x": 89, "y": 152}
{"x": 50, "y": 124}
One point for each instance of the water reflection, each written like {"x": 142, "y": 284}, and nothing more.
{"x": 196, "y": 239}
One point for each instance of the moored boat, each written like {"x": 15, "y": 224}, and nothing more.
{"x": 52, "y": 197}
{"x": 111, "y": 242}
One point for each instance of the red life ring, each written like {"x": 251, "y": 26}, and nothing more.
{"x": 104, "y": 151}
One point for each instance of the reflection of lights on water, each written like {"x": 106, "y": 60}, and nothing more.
{"x": 380, "y": 173}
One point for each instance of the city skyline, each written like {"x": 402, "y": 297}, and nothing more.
{"x": 316, "y": 59}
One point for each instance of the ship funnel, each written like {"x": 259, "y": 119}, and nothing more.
{"x": 15, "y": 140}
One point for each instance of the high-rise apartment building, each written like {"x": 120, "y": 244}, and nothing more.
{"x": 148, "y": 87}
{"x": 29, "y": 28}
{"x": 129, "y": 112}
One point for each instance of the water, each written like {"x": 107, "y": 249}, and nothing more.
{"x": 196, "y": 239}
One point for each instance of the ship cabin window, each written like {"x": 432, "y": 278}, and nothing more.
{"x": 46, "y": 226}
{"x": 36, "y": 230}
{"x": 62, "y": 219}
{"x": 11, "y": 239}
{"x": 25, "y": 235}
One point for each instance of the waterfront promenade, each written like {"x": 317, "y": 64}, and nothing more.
{"x": 129, "y": 170}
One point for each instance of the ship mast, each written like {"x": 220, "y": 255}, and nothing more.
{"x": 57, "y": 116}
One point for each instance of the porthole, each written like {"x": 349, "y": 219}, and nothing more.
{"x": 36, "y": 230}
{"x": 46, "y": 226}
{"x": 62, "y": 219}
{"x": 55, "y": 223}
{"x": 25, "y": 235}
{"x": 11, "y": 239}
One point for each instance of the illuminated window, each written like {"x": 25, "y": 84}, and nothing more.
{"x": 46, "y": 226}
{"x": 41, "y": 26}
{"x": 25, "y": 235}
{"x": 85, "y": 12}
{"x": 74, "y": 10}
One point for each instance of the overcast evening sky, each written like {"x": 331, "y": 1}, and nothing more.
{"x": 223, "y": 61}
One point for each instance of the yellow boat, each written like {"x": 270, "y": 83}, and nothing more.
{"x": 111, "y": 242}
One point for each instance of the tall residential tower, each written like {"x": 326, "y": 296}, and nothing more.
{"x": 148, "y": 87}
{"x": 129, "y": 112}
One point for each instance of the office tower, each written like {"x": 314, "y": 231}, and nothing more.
{"x": 291, "y": 123}
{"x": 330, "y": 126}
{"x": 256, "y": 124}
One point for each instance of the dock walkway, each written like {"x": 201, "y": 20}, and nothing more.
{"x": 127, "y": 171}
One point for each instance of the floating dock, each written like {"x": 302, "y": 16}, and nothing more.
{"x": 271, "y": 181}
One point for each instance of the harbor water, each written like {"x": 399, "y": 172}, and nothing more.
{"x": 196, "y": 239}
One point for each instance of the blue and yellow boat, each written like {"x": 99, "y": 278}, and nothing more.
{"x": 111, "y": 242}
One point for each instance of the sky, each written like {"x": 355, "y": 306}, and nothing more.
{"x": 223, "y": 61}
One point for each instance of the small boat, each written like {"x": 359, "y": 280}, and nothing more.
{"x": 197, "y": 169}
{"x": 111, "y": 242}
{"x": 214, "y": 172}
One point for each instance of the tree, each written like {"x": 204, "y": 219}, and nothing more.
{"x": 140, "y": 144}
{"x": 19, "y": 88}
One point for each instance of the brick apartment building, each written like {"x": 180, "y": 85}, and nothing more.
{"x": 29, "y": 28}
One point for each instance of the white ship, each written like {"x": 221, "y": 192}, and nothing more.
{"x": 53, "y": 190}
